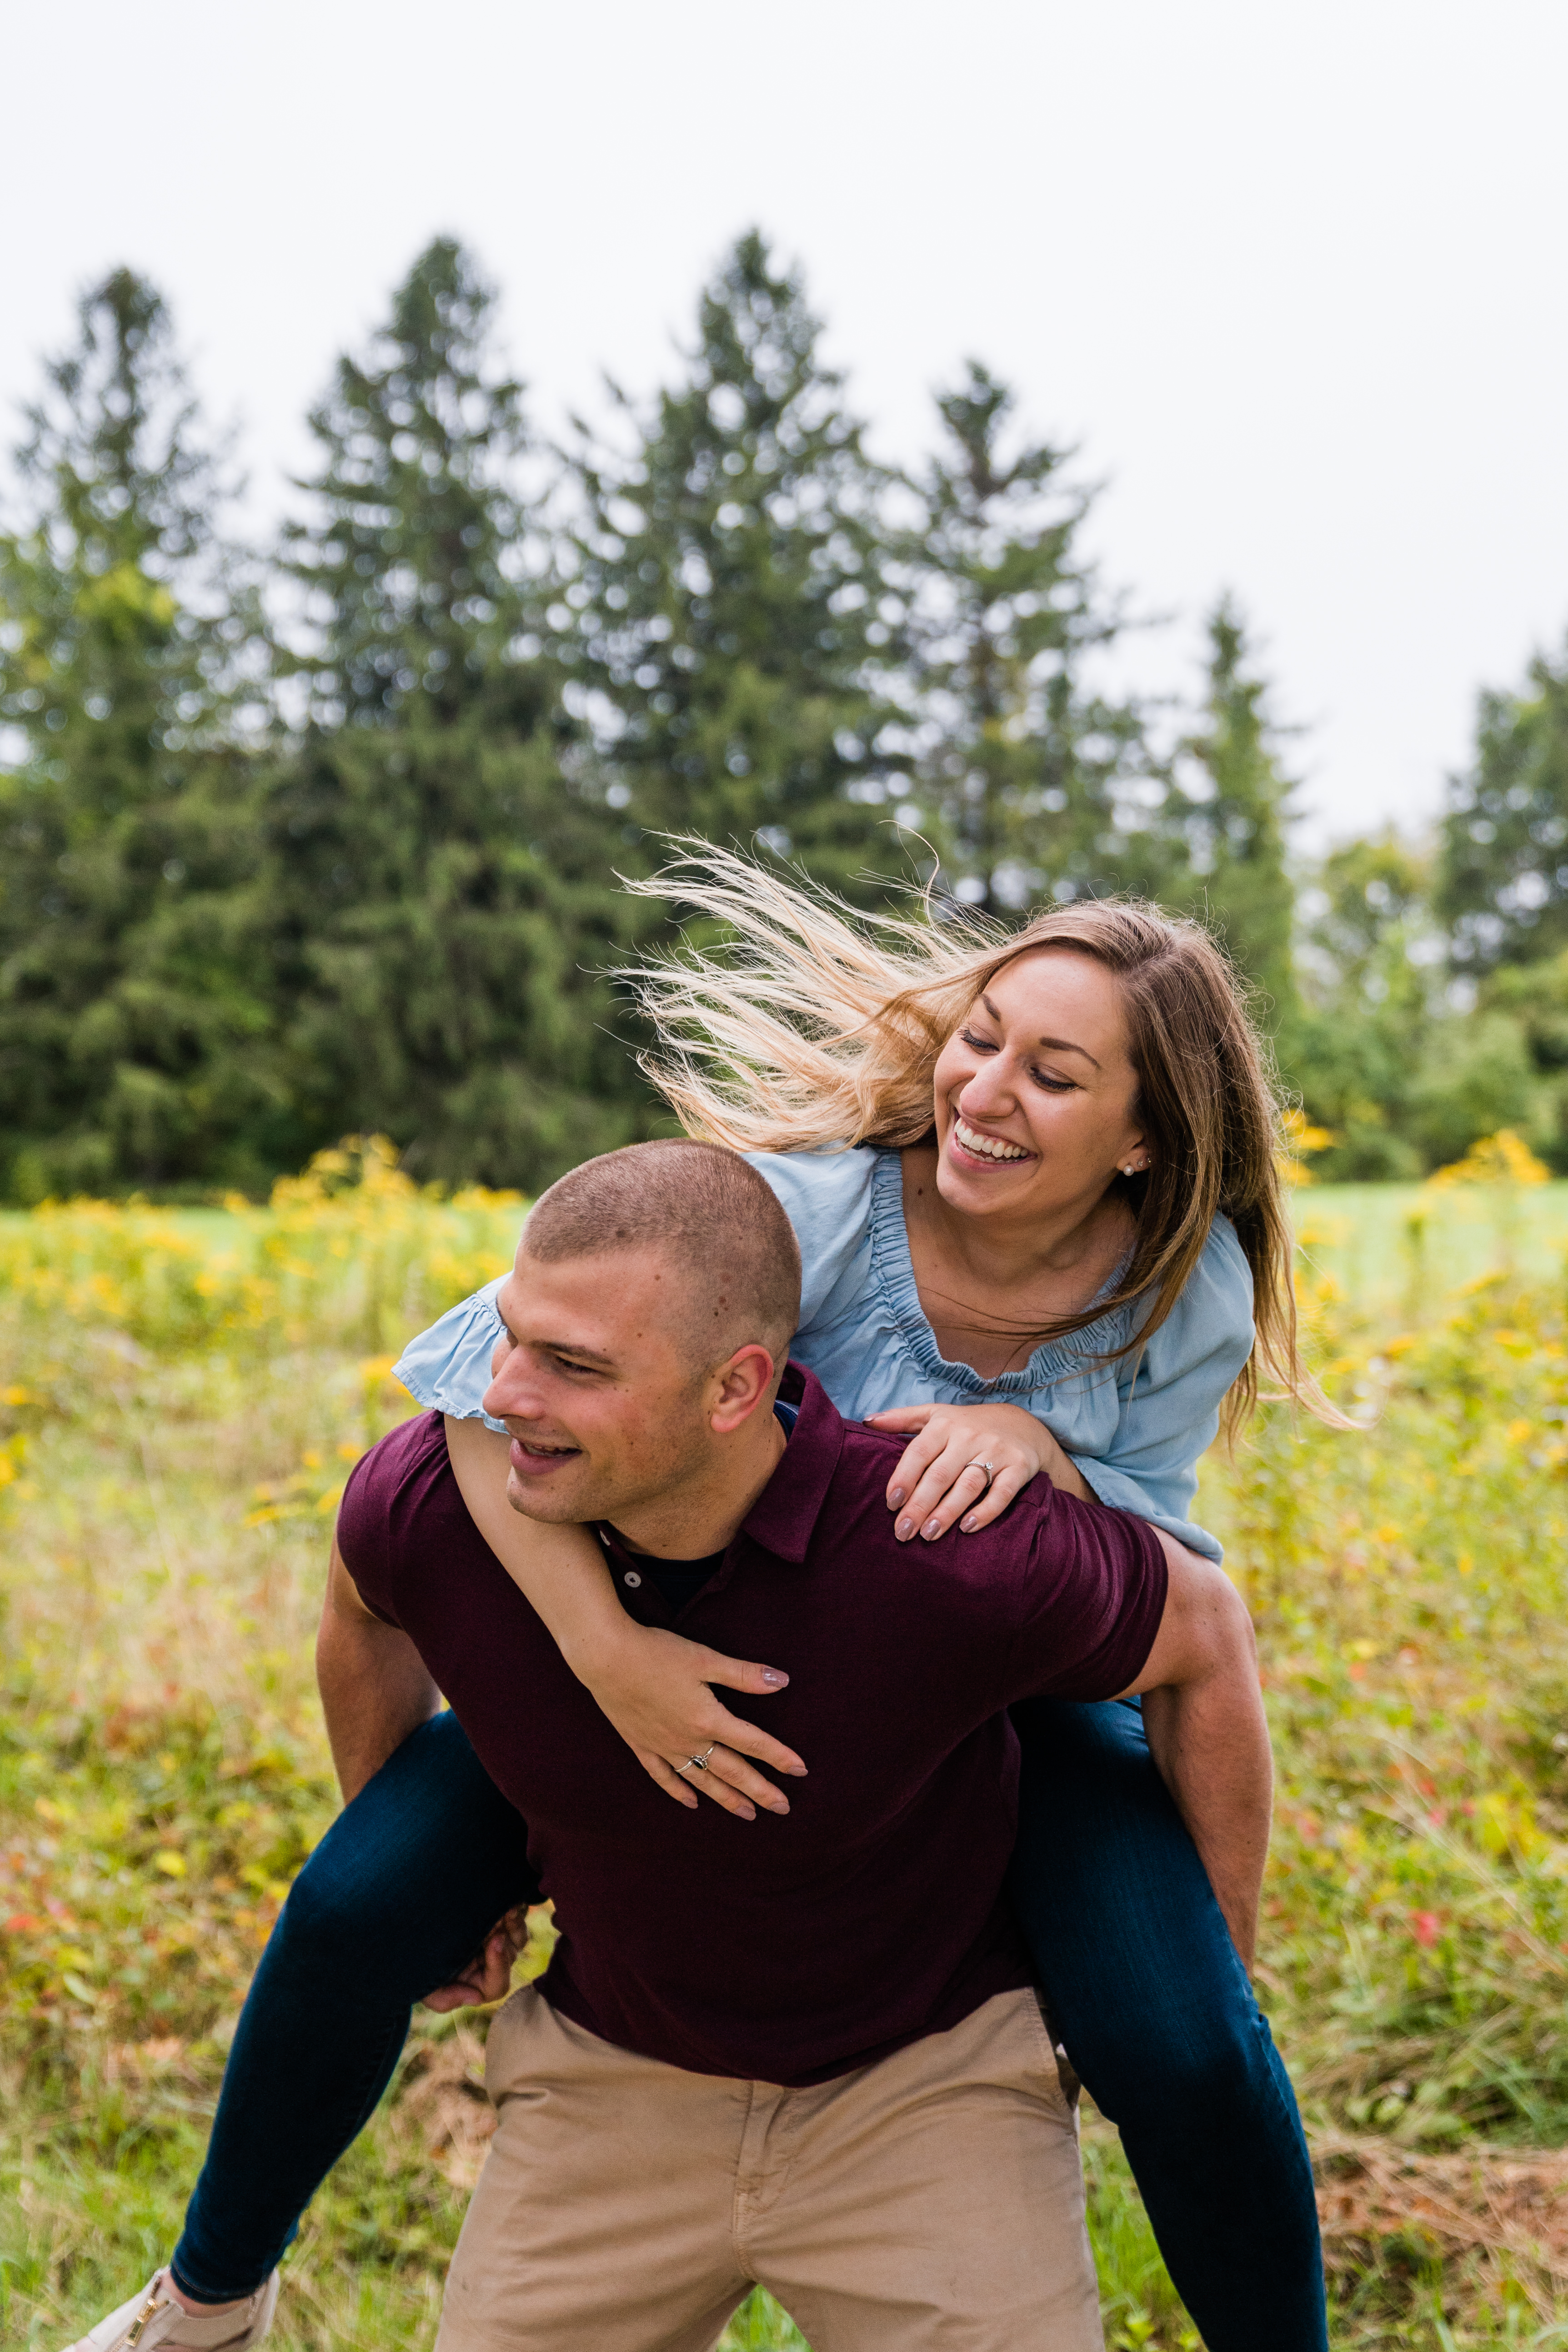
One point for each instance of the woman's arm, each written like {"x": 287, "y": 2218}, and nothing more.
{"x": 654, "y": 1685}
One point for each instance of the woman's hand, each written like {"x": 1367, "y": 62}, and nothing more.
{"x": 656, "y": 1688}
{"x": 938, "y": 1480}
{"x": 653, "y": 1686}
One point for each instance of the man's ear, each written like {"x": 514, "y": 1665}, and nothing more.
{"x": 739, "y": 1387}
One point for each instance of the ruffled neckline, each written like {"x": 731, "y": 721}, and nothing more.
{"x": 894, "y": 1270}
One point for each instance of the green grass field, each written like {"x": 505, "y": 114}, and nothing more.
{"x": 179, "y": 1397}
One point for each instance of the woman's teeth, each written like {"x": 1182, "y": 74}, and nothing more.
{"x": 988, "y": 1145}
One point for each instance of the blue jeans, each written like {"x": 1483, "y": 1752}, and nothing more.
{"x": 1142, "y": 1982}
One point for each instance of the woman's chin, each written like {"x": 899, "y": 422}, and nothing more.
{"x": 978, "y": 1184}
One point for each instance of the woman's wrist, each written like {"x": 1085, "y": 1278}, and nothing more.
{"x": 598, "y": 1641}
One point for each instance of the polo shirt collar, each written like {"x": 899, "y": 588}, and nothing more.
{"x": 784, "y": 1518}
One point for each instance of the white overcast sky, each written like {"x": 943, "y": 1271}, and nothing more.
{"x": 1292, "y": 277}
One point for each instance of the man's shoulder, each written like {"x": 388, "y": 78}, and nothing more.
{"x": 417, "y": 1443}
{"x": 870, "y": 1456}
{"x": 993, "y": 1560}
{"x": 412, "y": 1453}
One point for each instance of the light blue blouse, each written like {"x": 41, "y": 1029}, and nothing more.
{"x": 1135, "y": 1437}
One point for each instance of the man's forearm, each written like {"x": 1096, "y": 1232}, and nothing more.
{"x": 375, "y": 1688}
{"x": 1210, "y": 1740}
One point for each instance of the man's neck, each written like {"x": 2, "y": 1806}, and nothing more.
{"x": 703, "y": 1516}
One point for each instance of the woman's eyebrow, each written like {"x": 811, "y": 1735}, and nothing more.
{"x": 1057, "y": 1045}
{"x": 1066, "y": 1046}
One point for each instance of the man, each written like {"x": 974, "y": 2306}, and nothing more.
{"x": 806, "y": 2053}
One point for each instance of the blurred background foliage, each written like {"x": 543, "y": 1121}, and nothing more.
{"x": 182, "y": 1392}
{"x": 325, "y": 835}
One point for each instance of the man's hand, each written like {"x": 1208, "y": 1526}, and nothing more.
{"x": 487, "y": 1976}
{"x": 1202, "y": 1712}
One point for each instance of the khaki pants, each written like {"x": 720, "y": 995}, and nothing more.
{"x": 932, "y": 2202}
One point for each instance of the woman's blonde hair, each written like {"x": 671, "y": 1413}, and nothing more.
{"x": 812, "y": 1025}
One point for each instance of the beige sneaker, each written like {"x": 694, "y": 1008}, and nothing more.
{"x": 152, "y": 2320}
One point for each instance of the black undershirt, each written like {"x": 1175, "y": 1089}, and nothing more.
{"x": 680, "y": 1581}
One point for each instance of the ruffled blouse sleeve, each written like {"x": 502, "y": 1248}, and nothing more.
{"x": 447, "y": 1368}
{"x": 1169, "y": 1409}
{"x": 826, "y": 1196}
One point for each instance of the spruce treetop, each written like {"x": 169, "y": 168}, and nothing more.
{"x": 414, "y": 561}
{"x": 1502, "y": 884}
{"x": 1026, "y": 770}
{"x": 124, "y": 613}
{"x": 1238, "y": 814}
{"x": 728, "y": 610}
{"x": 129, "y": 636}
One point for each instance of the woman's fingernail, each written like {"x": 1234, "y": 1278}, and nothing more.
{"x": 773, "y": 1679}
{"x": 931, "y": 1528}
{"x": 896, "y": 1497}
{"x": 904, "y": 1530}
{"x": 968, "y": 1525}
{"x": 745, "y": 1812}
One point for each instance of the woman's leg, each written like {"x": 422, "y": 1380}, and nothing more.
{"x": 1154, "y": 2009}
{"x": 394, "y": 1901}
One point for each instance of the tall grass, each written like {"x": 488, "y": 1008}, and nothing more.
{"x": 179, "y": 1400}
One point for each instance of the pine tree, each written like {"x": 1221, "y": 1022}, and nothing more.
{"x": 1238, "y": 818}
{"x": 1502, "y": 885}
{"x": 1367, "y": 959}
{"x": 1034, "y": 784}
{"x": 443, "y": 888}
{"x": 130, "y": 997}
{"x": 731, "y": 626}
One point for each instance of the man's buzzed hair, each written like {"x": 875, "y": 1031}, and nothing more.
{"x": 717, "y": 1223}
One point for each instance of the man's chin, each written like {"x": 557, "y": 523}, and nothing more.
{"x": 557, "y": 1498}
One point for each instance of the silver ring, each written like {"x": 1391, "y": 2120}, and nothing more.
{"x": 698, "y": 1763}
{"x": 990, "y": 1470}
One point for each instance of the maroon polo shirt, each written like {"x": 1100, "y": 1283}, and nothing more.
{"x": 782, "y": 1950}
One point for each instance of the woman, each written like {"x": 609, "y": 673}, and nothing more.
{"x": 1034, "y": 1182}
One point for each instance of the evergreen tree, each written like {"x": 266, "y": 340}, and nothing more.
{"x": 1368, "y": 953}
{"x": 130, "y": 998}
{"x": 1236, "y": 819}
{"x": 1502, "y": 884}
{"x": 731, "y": 622}
{"x": 442, "y": 885}
{"x": 1033, "y": 782}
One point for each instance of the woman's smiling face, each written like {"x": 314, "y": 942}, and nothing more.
{"x": 1035, "y": 1092}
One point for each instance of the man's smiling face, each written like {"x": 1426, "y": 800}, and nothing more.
{"x": 603, "y": 1404}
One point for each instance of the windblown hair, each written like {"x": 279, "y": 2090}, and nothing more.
{"x": 816, "y": 1025}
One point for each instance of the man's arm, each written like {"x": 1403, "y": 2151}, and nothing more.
{"x": 1203, "y": 1711}
{"x": 375, "y": 1688}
